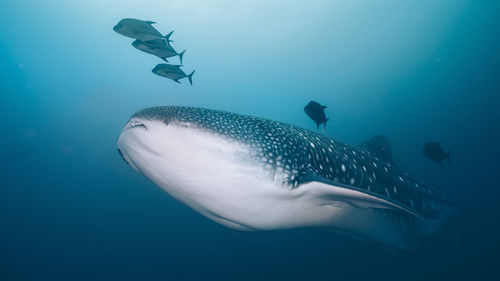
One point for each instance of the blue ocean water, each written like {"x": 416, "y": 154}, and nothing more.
{"x": 415, "y": 71}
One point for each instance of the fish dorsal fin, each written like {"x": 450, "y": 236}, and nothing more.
{"x": 150, "y": 22}
{"x": 379, "y": 146}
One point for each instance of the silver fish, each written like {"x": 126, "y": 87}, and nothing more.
{"x": 173, "y": 72}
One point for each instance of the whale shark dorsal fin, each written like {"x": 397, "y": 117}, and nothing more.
{"x": 379, "y": 146}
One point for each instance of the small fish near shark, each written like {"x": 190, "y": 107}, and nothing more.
{"x": 316, "y": 112}
{"x": 173, "y": 72}
{"x": 18, "y": 153}
{"x": 250, "y": 173}
{"x": 139, "y": 29}
{"x": 158, "y": 47}
{"x": 434, "y": 151}
{"x": 151, "y": 41}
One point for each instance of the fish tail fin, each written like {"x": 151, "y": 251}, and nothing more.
{"x": 167, "y": 37}
{"x": 190, "y": 77}
{"x": 181, "y": 55}
{"x": 324, "y": 124}
{"x": 448, "y": 158}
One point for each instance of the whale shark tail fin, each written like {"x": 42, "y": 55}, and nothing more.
{"x": 448, "y": 158}
{"x": 190, "y": 77}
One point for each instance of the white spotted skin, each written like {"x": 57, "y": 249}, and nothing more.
{"x": 219, "y": 178}
{"x": 213, "y": 176}
{"x": 250, "y": 173}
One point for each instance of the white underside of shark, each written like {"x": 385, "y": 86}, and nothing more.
{"x": 217, "y": 178}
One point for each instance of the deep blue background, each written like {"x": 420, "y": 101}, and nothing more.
{"x": 70, "y": 209}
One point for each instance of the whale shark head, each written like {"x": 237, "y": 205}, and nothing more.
{"x": 251, "y": 173}
{"x": 210, "y": 160}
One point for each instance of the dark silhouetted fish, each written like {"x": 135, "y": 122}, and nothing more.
{"x": 139, "y": 29}
{"x": 173, "y": 72}
{"x": 379, "y": 146}
{"x": 434, "y": 151}
{"x": 19, "y": 153}
{"x": 316, "y": 112}
{"x": 158, "y": 47}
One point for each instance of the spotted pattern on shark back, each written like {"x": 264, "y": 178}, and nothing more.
{"x": 296, "y": 156}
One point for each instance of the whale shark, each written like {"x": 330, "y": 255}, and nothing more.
{"x": 251, "y": 173}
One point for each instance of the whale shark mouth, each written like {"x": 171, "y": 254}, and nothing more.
{"x": 134, "y": 130}
{"x": 121, "y": 155}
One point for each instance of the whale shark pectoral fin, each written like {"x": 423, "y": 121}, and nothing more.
{"x": 328, "y": 191}
{"x": 333, "y": 194}
{"x": 358, "y": 213}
